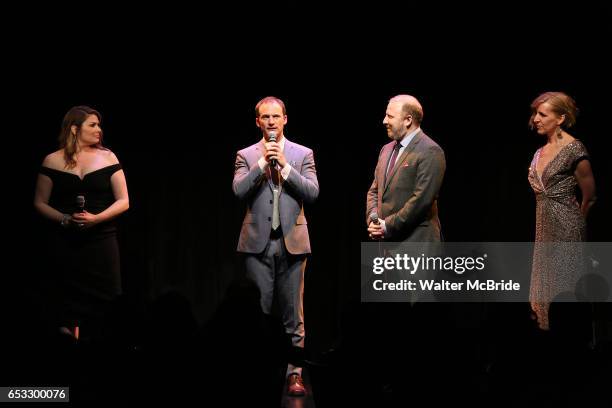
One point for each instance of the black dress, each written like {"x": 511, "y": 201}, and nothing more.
{"x": 84, "y": 272}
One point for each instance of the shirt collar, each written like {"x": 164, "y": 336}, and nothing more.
{"x": 281, "y": 143}
{"x": 408, "y": 138}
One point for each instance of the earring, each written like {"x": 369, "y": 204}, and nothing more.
{"x": 559, "y": 132}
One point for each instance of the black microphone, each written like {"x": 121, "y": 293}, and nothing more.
{"x": 374, "y": 218}
{"x": 272, "y": 138}
{"x": 80, "y": 201}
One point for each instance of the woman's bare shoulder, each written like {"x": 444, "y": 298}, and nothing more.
{"x": 108, "y": 155}
{"x": 55, "y": 160}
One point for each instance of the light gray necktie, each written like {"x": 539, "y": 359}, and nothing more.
{"x": 275, "y": 214}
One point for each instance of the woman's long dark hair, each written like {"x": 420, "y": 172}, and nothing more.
{"x": 68, "y": 139}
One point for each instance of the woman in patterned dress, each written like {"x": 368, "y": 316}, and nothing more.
{"x": 557, "y": 168}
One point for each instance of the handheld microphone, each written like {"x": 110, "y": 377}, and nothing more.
{"x": 374, "y": 218}
{"x": 80, "y": 201}
{"x": 272, "y": 138}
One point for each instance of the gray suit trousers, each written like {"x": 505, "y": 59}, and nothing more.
{"x": 278, "y": 273}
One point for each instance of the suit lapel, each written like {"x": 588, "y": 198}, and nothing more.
{"x": 398, "y": 163}
{"x": 386, "y": 154}
{"x": 259, "y": 150}
{"x": 288, "y": 151}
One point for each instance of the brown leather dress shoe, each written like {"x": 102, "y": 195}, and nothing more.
{"x": 295, "y": 386}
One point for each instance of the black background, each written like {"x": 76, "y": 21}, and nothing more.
{"x": 177, "y": 90}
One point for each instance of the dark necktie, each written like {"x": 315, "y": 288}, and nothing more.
{"x": 396, "y": 150}
{"x": 274, "y": 175}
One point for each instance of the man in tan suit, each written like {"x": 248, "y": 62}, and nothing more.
{"x": 402, "y": 201}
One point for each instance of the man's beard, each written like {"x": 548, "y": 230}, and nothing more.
{"x": 396, "y": 136}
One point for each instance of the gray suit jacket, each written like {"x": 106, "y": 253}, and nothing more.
{"x": 251, "y": 185}
{"x": 407, "y": 201}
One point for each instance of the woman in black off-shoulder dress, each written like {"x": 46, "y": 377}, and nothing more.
{"x": 80, "y": 190}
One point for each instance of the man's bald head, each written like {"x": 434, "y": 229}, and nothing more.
{"x": 410, "y": 107}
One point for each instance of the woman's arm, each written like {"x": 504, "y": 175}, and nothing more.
{"x": 44, "y": 185}
{"x": 586, "y": 182}
{"x": 122, "y": 200}
{"x": 121, "y": 204}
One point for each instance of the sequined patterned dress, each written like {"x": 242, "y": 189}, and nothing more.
{"x": 556, "y": 268}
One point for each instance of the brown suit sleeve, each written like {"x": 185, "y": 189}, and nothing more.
{"x": 372, "y": 196}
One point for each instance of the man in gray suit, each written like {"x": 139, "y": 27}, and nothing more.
{"x": 408, "y": 176}
{"x": 275, "y": 177}
{"x": 402, "y": 207}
